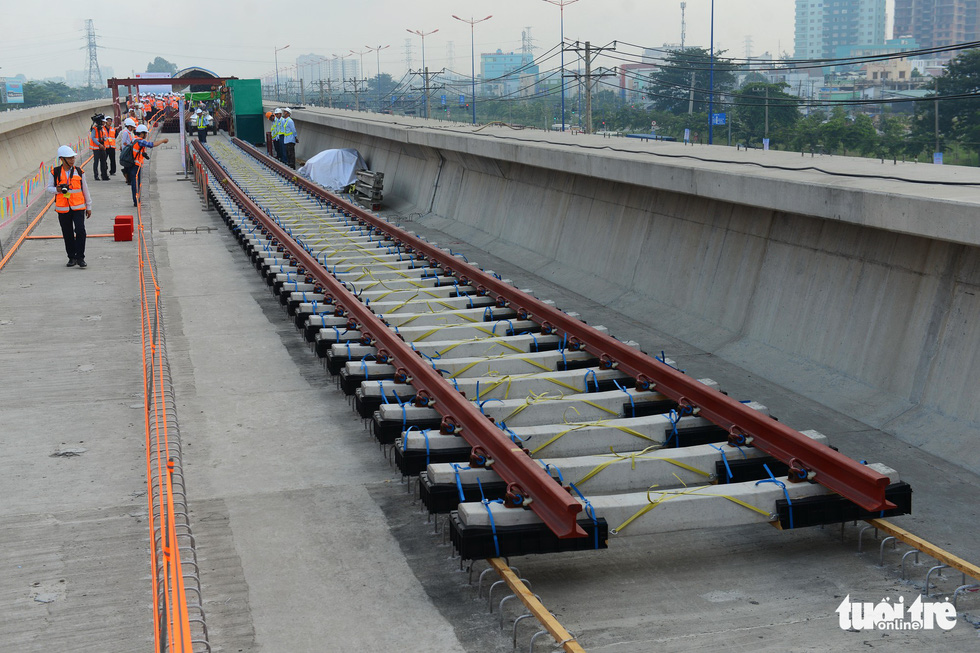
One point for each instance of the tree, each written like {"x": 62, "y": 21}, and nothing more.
{"x": 861, "y": 135}
{"x": 959, "y": 118}
{"x": 387, "y": 86}
{"x": 670, "y": 87}
{"x": 833, "y": 131}
{"x": 750, "y": 110}
{"x": 161, "y": 65}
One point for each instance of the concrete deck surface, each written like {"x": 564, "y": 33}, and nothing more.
{"x": 306, "y": 537}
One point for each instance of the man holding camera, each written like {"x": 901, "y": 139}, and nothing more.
{"x": 72, "y": 203}
{"x": 97, "y": 143}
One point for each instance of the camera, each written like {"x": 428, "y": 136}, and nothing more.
{"x": 98, "y": 118}
{"x": 63, "y": 188}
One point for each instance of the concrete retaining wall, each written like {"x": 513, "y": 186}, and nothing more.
{"x": 874, "y": 322}
{"x": 31, "y": 136}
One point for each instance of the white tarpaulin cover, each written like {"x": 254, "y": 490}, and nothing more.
{"x": 334, "y": 169}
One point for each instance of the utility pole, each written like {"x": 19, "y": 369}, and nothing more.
{"x": 427, "y": 88}
{"x": 767, "y": 112}
{"x": 589, "y": 53}
{"x": 357, "y": 91}
{"x": 302, "y": 91}
{"x": 937, "y": 115}
{"x": 588, "y": 87}
{"x": 321, "y": 91}
{"x": 690, "y": 103}
{"x": 329, "y": 93}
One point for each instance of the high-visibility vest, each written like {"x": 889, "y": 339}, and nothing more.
{"x": 202, "y": 121}
{"x": 160, "y": 104}
{"x": 110, "y": 139}
{"x": 276, "y": 127}
{"x": 138, "y": 152}
{"x": 285, "y": 130}
{"x": 75, "y": 199}
{"x": 99, "y": 133}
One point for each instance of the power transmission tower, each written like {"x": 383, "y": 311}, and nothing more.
{"x": 94, "y": 72}
{"x": 748, "y": 47}
{"x": 408, "y": 54}
{"x": 451, "y": 54}
{"x": 527, "y": 44}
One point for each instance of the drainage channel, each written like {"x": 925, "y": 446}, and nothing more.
{"x": 633, "y": 456}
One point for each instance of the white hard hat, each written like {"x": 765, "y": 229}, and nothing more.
{"x": 197, "y": 111}
{"x": 277, "y": 111}
{"x": 66, "y": 152}
{"x": 287, "y": 110}
{"x": 140, "y": 129}
{"x": 129, "y": 122}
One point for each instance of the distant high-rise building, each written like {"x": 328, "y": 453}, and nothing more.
{"x": 823, "y": 25}
{"x": 310, "y": 67}
{"x": 937, "y": 23}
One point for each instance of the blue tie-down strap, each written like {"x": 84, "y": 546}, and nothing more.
{"x": 493, "y": 527}
{"x": 381, "y": 387}
{"x": 528, "y": 333}
{"x": 481, "y": 403}
{"x": 724, "y": 459}
{"x": 590, "y": 511}
{"x": 516, "y": 439}
{"x": 773, "y": 479}
{"x": 459, "y": 482}
{"x": 510, "y": 327}
{"x": 632, "y": 403}
{"x": 548, "y": 467}
{"x": 364, "y": 367}
{"x": 595, "y": 379}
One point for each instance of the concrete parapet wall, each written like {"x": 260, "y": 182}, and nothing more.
{"x": 875, "y": 322}
{"x": 30, "y": 136}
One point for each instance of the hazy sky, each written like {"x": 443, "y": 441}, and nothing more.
{"x": 239, "y": 38}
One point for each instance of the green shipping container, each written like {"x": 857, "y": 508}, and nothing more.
{"x": 246, "y": 95}
{"x": 250, "y": 128}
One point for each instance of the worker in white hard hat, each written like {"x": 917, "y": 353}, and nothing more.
{"x": 201, "y": 124}
{"x": 289, "y": 139}
{"x": 140, "y": 145}
{"x": 126, "y": 136}
{"x": 73, "y": 204}
{"x": 274, "y": 132}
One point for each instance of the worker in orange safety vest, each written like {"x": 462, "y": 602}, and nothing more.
{"x": 73, "y": 203}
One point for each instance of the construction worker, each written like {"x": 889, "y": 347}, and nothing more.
{"x": 289, "y": 139}
{"x": 110, "y": 145}
{"x": 126, "y": 136}
{"x": 276, "y": 124}
{"x": 201, "y": 123}
{"x": 73, "y": 204}
{"x": 96, "y": 143}
{"x": 140, "y": 145}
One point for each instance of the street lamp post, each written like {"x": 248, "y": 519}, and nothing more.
{"x": 277, "y": 68}
{"x": 425, "y": 77}
{"x": 360, "y": 71}
{"x": 711, "y": 79}
{"x": 472, "y": 23}
{"x": 378, "y": 51}
{"x": 561, "y": 4}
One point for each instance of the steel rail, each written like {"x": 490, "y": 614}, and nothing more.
{"x": 807, "y": 460}
{"x": 527, "y": 480}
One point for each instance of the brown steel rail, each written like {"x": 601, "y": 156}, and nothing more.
{"x": 525, "y": 478}
{"x": 807, "y": 459}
